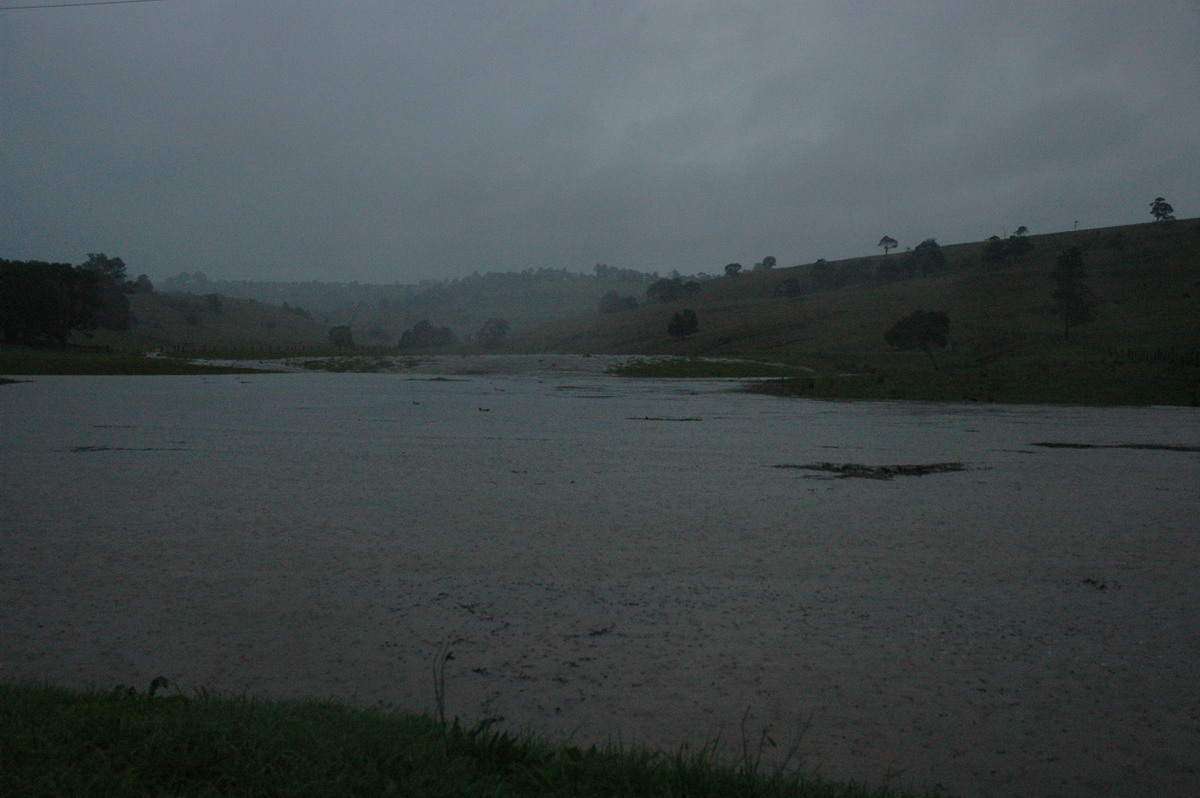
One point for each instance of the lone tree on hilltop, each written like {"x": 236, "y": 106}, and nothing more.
{"x": 920, "y": 330}
{"x": 1161, "y": 210}
{"x": 888, "y": 243}
{"x": 683, "y": 323}
{"x": 733, "y": 269}
{"x": 1072, "y": 299}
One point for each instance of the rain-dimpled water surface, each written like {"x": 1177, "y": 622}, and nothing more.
{"x": 611, "y": 559}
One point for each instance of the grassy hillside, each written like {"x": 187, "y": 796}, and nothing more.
{"x": 1006, "y": 342}
{"x": 215, "y": 320}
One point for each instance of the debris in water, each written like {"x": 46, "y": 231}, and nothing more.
{"x": 1158, "y": 447}
{"x": 848, "y": 470}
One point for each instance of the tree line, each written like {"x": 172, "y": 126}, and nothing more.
{"x": 43, "y": 303}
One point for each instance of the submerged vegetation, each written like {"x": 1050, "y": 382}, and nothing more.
{"x": 860, "y": 471}
{"x": 711, "y": 368}
{"x": 57, "y": 742}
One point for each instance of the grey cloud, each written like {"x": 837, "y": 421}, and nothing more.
{"x": 394, "y": 141}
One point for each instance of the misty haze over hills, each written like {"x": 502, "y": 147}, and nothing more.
{"x": 523, "y": 299}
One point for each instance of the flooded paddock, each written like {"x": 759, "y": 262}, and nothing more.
{"x": 613, "y": 559}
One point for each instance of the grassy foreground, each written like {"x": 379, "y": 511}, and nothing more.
{"x": 55, "y": 742}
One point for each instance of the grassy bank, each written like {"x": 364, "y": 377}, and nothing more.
{"x": 1095, "y": 383}
{"x": 24, "y": 360}
{"x": 55, "y": 742}
{"x": 1084, "y": 381}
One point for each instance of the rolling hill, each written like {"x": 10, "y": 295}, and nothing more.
{"x": 822, "y": 323}
{"x": 1006, "y": 342}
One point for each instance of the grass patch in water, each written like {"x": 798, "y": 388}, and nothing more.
{"x": 1100, "y": 383}
{"x": 56, "y": 742}
{"x": 368, "y": 364}
{"x": 701, "y": 367}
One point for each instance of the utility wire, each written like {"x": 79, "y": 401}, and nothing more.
{"x": 75, "y": 5}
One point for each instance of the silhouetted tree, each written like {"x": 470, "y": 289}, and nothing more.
{"x": 929, "y": 257}
{"x": 113, "y": 313}
{"x": 766, "y": 263}
{"x": 44, "y": 302}
{"x": 667, "y": 289}
{"x": 1161, "y": 210}
{"x": 604, "y": 271}
{"x": 1072, "y": 299}
{"x": 111, "y": 270}
{"x": 733, "y": 269}
{"x": 664, "y": 290}
{"x": 492, "y": 333}
{"x": 1004, "y": 251}
{"x": 683, "y": 323}
{"x": 888, "y": 243}
{"x": 920, "y": 330}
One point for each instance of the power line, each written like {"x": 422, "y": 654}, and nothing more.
{"x": 74, "y": 5}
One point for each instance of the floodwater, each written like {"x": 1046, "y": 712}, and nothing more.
{"x": 622, "y": 560}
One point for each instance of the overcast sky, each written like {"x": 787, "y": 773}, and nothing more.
{"x": 390, "y": 141}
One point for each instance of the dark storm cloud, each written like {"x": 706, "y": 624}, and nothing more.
{"x": 397, "y": 141}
